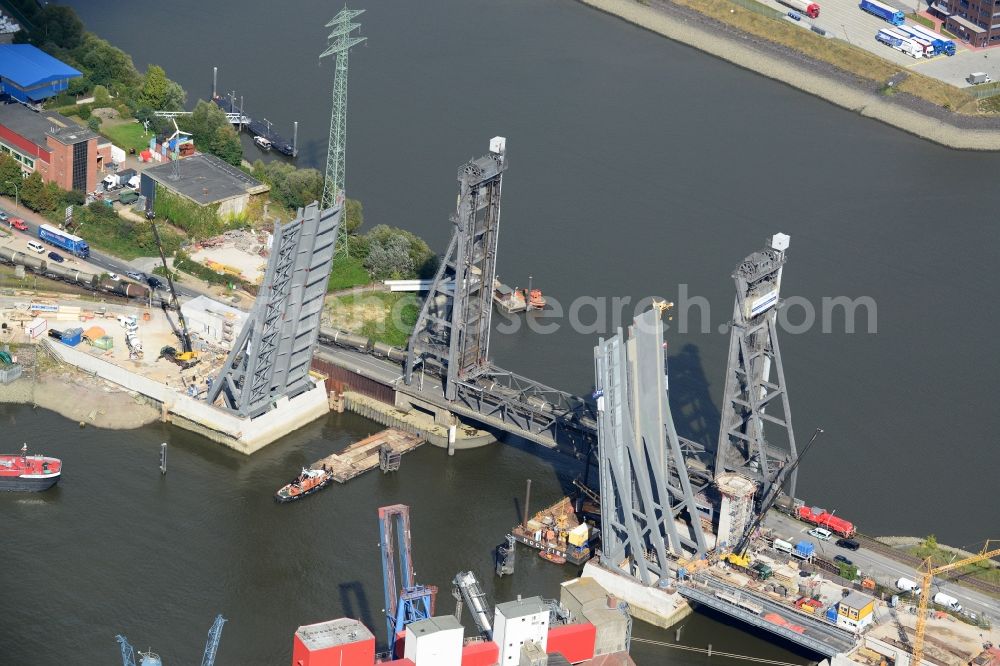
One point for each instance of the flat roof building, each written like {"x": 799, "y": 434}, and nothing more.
{"x": 206, "y": 180}
{"x": 31, "y": 75}
{"x": 59, "y": 149}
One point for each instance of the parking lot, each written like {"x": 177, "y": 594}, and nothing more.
{"x": 843, "y": 19}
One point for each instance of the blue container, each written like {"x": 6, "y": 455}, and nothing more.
{"x": 831, "y": 614}
{"x": 72, "y": 336}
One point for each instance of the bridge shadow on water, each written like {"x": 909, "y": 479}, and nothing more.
{"x": 696, "y": 416}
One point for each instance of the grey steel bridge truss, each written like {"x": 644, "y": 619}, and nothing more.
{"x": 645, "y": 483}
{"x": 452, "y": 332}
{"x": 751, "y": 399}
{"x": 271, "y": 356}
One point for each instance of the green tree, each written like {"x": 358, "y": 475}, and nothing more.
{"x": 354, "y": 216}
{"x": 226, "y": 145}
{"x": 106, "y": 65}
{"x": 59, "y": 26}
{"x": 35, "y": 195}
{"x": 389, "y": 258}
{"x": 94, "y": 123}
{"x": 10, "y": 174}
{"x": 424, "y": 261}
{"x": 304, "y": 186}
{"x": 102, "y": 97}
{"x": 158, "y": 92}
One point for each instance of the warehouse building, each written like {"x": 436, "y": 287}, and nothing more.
{"x": 31, "y": 75}
{"x": 972, "y": 21}
{"x": 212, "y": 321}
{"x": 205, "y": 180}
{"x": 63, "y": 152}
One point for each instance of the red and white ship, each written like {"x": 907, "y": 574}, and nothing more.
{"x": 21, "y": 472}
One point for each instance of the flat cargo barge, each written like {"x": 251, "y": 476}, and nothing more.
{"x": 558, "y": 531}
{"x": 381, "y": 449}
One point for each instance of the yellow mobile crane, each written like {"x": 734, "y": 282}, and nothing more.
{"x": 928, "y": 574}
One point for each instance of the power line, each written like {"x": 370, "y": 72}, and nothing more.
{"x": 713, "y": 653}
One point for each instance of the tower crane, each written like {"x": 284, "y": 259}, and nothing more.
{"x": 738, "y": 555}
{"x": 928, "y": 572}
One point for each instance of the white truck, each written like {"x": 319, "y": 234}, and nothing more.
{"x": 978, "y": 77}
{"x": 948, "y": 601}
{"x": 907, "y": 585}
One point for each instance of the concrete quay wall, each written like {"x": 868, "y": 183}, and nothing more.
{"x": 241, "y": 434}
{"x": 649, "y": 604}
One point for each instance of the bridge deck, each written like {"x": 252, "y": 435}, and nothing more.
{"x": 815, "y": 634}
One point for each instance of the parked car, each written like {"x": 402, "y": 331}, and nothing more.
{"x": 114, "y": 276}
{"x": 821, "y": 534}
{"x": 17, "y": 223}
{"x": 849, "y": 544}
{"x": 842, "y": 560}
{"x": 154, "y": 282}
{"x": 56, "y": 257}
{"x": 138, "y": 277}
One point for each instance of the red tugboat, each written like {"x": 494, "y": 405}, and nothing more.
{"x": 306, "y": 483}
{"x": 21, "y": 472}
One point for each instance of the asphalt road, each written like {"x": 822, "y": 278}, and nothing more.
{"x": 883, "y": 569}
{"x": 99, "y": 260}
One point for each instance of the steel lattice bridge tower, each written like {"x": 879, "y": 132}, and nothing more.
{"x": 340, "y": 44}
{"x": 452, "y": 332}
{"x": 647, "y": 497}
{"x": 751, "y": 399}
{"x": 271, "y": 357}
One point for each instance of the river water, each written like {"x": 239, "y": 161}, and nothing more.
{"x": 638, "y": 167}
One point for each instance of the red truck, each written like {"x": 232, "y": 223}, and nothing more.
{"x": 17, "y": 223}
{"x": 821, "y": 518}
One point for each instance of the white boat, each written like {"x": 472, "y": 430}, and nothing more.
{"x": 262, "y": 142}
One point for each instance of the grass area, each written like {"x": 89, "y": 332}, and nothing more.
{"x": 347, "y": 272}
{"x": 840, "y": 54}
{"x": 983, "y": 570}
{"x": 922, "y": 20}
{"x": 382, "y": 316}
{"x": 127, "y": 135}
{"x": 990, "y": 104}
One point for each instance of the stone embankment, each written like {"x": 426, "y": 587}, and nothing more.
{"x": 824, "y": 81}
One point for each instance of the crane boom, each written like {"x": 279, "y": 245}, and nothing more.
{"x": 212, "y": 644}
{"x": 772, "y": 496}
{"x": 128, "y": 654}
{"x": 183, "y": 334}
{"x": 925, "y": 593}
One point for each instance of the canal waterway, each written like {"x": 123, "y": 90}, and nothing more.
{"x": 638, "y": 167}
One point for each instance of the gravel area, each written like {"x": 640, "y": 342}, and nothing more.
{"x": 781, "y": 63}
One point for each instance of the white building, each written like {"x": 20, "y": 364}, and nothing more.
{"x": 434, "y": 642}
{"x": 212, "y": 321}
{"x": 517, "y": 622}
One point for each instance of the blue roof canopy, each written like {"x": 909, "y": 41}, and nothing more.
{"x": 27, "y": 66}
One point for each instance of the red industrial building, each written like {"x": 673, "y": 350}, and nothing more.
{"x": 63, "y": 152}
